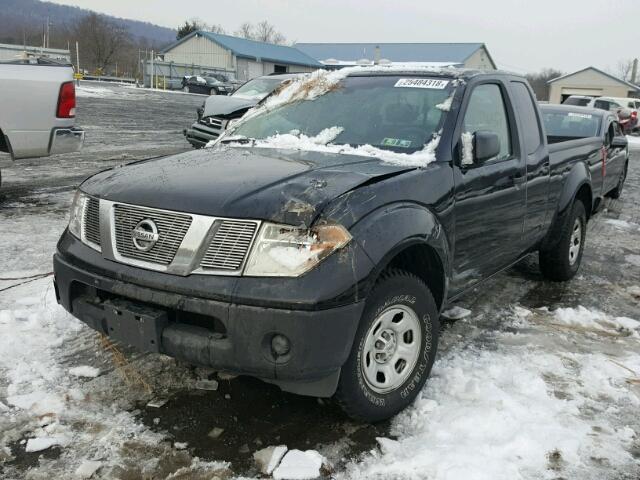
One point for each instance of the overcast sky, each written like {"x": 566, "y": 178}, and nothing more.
{"x": 522, "y": 35}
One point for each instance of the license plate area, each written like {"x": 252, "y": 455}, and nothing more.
{"x": 128, "y": 322}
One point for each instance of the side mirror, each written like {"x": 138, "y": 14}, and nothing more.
{"x": 486, "y": 145}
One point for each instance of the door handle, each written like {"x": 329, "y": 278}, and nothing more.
{"x": 518, "y": 178}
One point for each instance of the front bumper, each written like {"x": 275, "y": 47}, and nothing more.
{"x": 66, "y": 140}
{"x": 221, "y": 334}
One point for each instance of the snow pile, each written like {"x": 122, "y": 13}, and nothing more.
{"x": 299, "y": 465}
{"x": 456, "y": 313}
{"x": 42, "y": 443}
{"x": 467, "y": 148}
{"x": 87, "y": 468}
{"x": 621, "y": 224}
{"x": 584, "y": 318}
{"x": 84, "y": 371}
{"x": 268, "y": 458}
{"x": 446, "y": 105}
{"x": 484, "y": 416}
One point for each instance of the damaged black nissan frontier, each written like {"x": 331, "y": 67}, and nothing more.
{"x": 316, "y": 243}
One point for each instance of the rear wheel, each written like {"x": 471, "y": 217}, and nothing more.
{"x": 393, "y": 351}
{"x": 185, "y": 89}
{"x": 616, "y": 192}
{"x": 562, "y": 261}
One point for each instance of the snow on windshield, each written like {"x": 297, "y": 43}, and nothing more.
{"x": 294, "y": 140}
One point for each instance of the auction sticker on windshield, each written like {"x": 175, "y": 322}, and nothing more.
{"x": 434, "y": 83}
{"x": 580, "y": 115}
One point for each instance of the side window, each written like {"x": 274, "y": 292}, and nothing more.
{"x": 486, "y": 111}
{"x": 617, "y": 129}
{"x": 528, "y": 116}
{"x": 601, "y": 104}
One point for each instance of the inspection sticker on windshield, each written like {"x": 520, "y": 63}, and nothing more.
{"x": 422, "y": 83}
{"x": 581, "y": 115}
{"x": 396, "y": 142}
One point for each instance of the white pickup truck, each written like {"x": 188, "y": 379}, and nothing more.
{"x": 37, "y": 109}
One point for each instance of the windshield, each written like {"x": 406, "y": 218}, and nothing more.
{"x": 390, "y": 112}
{"x": 212, "y": 80}
{"x": 578, "y": 102}
{"x": 258, "y": 88}
{"x": 562, "y": 126}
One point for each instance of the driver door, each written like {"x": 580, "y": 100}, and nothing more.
{"x": 490, "y": 196}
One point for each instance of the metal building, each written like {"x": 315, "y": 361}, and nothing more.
{"x": 338, "y": 55}
{"x": 590, "y": 82}
{"x": 245, "y": 59}
{"x": 13, "y": 52}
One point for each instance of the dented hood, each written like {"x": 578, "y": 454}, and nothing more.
{"x": 226, "y": 105}
{"x": 282, "y": 186}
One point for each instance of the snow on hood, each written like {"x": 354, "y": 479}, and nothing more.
{"x": 321, "y": 142}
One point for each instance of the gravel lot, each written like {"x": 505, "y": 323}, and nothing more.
{"x": 539, "y": 380}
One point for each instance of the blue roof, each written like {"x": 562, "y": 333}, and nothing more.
{"x": 243, "y": 48}
{"x": 396, "y": 52}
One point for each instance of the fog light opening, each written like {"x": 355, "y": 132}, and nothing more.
{"x": 280, "y": 345}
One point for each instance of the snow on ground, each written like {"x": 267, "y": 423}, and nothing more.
{"x": 519, "y": 410}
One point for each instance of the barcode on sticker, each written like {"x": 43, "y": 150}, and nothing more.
{"x": 422, "y": 83}
{"x": 581, "y": 115}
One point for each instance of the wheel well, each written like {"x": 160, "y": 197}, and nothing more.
{"x": 423, "y": 262}
{"x": 584, "y": 195}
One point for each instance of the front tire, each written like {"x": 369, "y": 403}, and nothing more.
{"x": 185, "y": 89}
{"x": 562, "y": 261}
{"x": 213, "y": 91}
{"x": 393, "y": 351}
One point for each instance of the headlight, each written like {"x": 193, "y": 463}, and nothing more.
{"x": 285, "y": 251}
{"x": 77, "y": 212}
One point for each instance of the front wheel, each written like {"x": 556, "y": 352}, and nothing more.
{"x": 213, "y": 91}
{"x": 393, "y": 351}
{"x": 562, "y": 261}
{"x": 185, "y": 89}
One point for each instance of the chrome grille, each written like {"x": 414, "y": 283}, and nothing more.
{"x": 213, "y": 122}
{"x": 91, "y": 221}
{"x": 229, "y": 246}
{"x": 172, "y": 227}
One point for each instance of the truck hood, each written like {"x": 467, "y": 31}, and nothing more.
{"x": 283, "y": 186}
{"x": 225, "y": 105}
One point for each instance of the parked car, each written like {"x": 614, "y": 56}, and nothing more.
{"x": 627, "y": 115}
{"x": 38, "y": 108}
{"x": 566, "y": 123}
{"x": 322, "y": 265}
{"x": 218, "y": 112}
{"x": 208, "y": 85}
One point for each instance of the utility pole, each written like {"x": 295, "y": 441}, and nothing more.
{"x": 78, "y": 62}
{"x": 634, "y": 71}
{"x": 153, "y": 69}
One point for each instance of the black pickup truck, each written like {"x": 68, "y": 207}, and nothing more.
{"x": 321, "y": 262}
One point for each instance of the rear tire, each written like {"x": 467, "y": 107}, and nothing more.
{"x": 616, "y": 192}
{"x": 562, "y": 261}
{"x": 185, "y": 89}
{"x": 393, "y": 351}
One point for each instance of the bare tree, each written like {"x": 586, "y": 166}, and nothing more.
{"x": 195, "y": 24}
{"x": 624, "y": 69}
{"x": 538, "y": 81}
{"x": 245, "y": 31}
{"x": 103, "y": 40}
{"x": 262, "y": 32}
